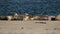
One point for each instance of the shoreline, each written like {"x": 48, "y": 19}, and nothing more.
{"x": 28, "y": 27}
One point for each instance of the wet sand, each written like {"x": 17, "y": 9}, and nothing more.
{"x": 29, "y": 27}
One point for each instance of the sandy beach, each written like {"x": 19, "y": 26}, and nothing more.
{"x": 29, "y": 27}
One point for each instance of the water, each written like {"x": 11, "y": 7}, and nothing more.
{"x": 33, "y": 7}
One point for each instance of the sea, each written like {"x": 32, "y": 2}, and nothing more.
{"x": 32, "y": 7}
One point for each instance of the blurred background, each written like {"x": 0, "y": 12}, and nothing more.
{"x": 32, "y": 7}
